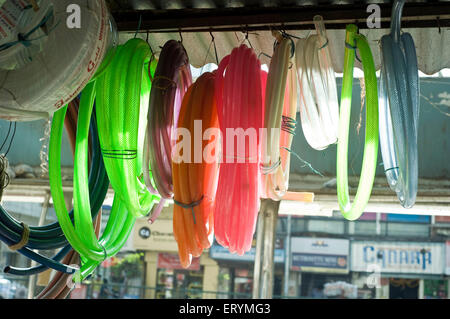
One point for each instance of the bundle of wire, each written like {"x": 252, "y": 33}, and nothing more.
{"x": 319, "y": 108}
{"x": 18, "y": 236}
{"x": 240, "y": 109}
{"x": 195, "y": 172}
{"x": 399, "y": 110}
{"x": 279, "y": 121}
{"x": 118, "y": 117}
{"x": 354, "y": 41}
{"x": 171, "y": 81}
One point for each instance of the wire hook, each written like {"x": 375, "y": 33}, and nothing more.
{"x": 181, "y": 36}
{"x": 215, "y": 47}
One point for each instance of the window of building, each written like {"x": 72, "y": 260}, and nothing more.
{"x": 408, "y": 230}
{"x": 326, "y": 226}
{"x": 364, "y": 228}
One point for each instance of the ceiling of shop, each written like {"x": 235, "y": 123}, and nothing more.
{"x": 229, "y": 21}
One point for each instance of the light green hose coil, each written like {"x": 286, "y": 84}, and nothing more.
{"x": 354, "y": 211}
{"x": 121, "y": 93}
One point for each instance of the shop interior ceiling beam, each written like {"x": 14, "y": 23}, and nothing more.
{"x": 415, "y": 15}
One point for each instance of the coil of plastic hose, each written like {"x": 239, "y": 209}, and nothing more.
{"x": 280, "y": 110}
{"x": 399, "y": 110}
{"x": 352, "y": 211}
{"x": 99, "y": 252}
{"x": 239, "y": 98}
{"x": 70, "y": 124}
{"x": 120, "y": 131}
{"x": 66, "y": 60}
{"x": 126, "y": 113}
{"x": 171, "y": 80}
{"x": 195, "y": 179}
{"x": 170, "y": 83}
{"x": 319, "y": 106}
{"x": 51, "y": 236}
{"x": 59, "y": 287}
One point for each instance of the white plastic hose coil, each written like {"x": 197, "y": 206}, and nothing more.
{"x": 68, "y": 58}
{"x": 319, "y": 107}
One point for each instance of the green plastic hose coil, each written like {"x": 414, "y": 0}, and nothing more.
{"x": 121, "y": 93}
{"x": 121, "y": 105}
{"x": 354, "y": 211}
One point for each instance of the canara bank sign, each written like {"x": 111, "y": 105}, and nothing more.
{"x": 397, "y": 257}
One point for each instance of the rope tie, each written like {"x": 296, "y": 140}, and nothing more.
{"x": 24, "y": 38}
{"x": 105, "y": 254}
{"x": 24, "y": 240}
{"x": 270, "y": 169}
{"x": 172, "y": 83}
{"x": 190, "y": 206}
{"x": 351, "y": 47}
{"x": 325, "y": 45}
{"x": 119, "y": 154}
{"x": 390, "y": 169}
{"x": 288, "y": 125}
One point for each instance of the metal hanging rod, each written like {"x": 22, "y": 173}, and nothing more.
{"x": 415, "y": 15}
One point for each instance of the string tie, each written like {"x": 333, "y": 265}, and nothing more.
{"x": 190, "y": 206}
{"x": 24, "y": 240}
{"x": 351, "y": 47}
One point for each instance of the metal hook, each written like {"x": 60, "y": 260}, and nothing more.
{"x": 139, "y": 26}
{"x": 181, "y": 36}
{"x": 215, "y": 47}
{"x": 265, "y": 54}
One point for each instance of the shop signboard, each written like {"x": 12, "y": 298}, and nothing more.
{"x": 447, "y": 254}
{"x": 155, "y": 237}
{"x": 172, "y": 261}
{"x": 218, "y": 252}
{"x": 328, "y": 255}
{"x": 397, "y": 257}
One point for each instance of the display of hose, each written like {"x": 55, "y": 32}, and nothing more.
{"x": 122, "y": 104}
{"x": 195, "y": 171}
{"x": 70, "y": 125}
{"x": 279, "y": 116}
{"x": 59, "y": 287}
{"x": 25, "y": 239}
{"x": 319, "y": 108}
{"x": 125, "y": 113}
{"x": 240, "y": 108}
{"x": 41, "y": 71}
{"x": 353, "y": 42}
{"x": 171, "y": 81}
{"x": 399, "y": 110}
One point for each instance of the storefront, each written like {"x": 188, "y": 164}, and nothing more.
{"x": 399, "y": 270}
{"x": 236, "y": 272}
{"x": 319, "y": 263}
{"x": 164, "y": 275}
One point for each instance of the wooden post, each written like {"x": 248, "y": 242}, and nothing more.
{"x": 258, "y": 255}
{"x": 264, "y": 274}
